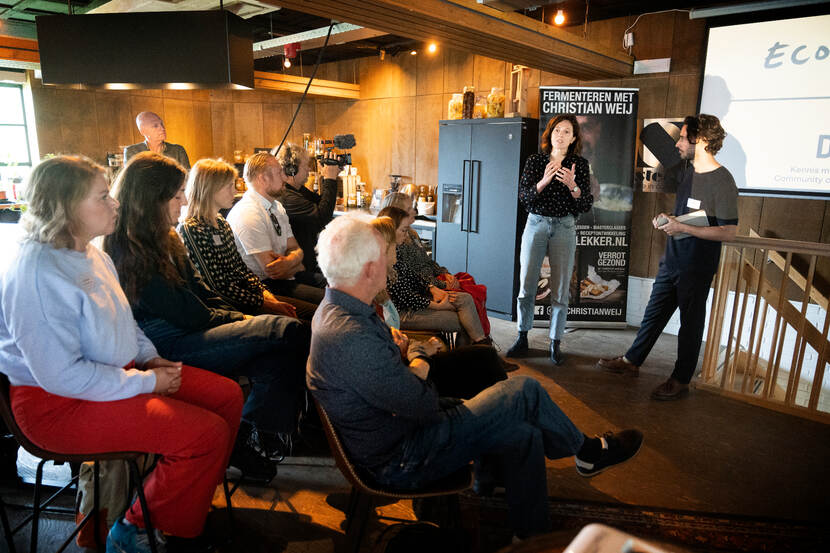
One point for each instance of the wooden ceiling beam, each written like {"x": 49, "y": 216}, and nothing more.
{"x": 319, "y": 87}
{"x": 465, "y": 24}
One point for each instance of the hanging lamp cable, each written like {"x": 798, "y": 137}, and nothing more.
{"x": 275, "y": 151}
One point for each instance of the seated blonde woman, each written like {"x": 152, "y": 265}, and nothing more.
{"x": 211, "y": 247}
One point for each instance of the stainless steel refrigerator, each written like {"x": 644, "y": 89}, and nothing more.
{"x": 479, "y": 223}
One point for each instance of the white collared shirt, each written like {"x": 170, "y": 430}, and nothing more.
{"x": 254, "y": 231}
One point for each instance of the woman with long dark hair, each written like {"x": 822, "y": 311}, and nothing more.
{"x": 554, "y": 189}
{"x": 187, "y": 321}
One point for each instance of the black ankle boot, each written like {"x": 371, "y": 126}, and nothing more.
{"x": 519, "y": 347}
{"x": 556, "y": 354}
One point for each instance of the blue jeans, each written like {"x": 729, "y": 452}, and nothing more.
{"x": 271, "y": 350}
{"x": 513, "y": 421}
{"x": 556, "y": 237}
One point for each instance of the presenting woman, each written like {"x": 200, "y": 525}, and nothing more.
{"x": 186, "y": 320}
{"x": 210, "y": 243}
{"x": 554, "y": 189}
{"x": 85, "y": 379}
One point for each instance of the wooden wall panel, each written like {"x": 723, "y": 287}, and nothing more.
{"x": 641, "y": 234}
{"x": 202, "y": 133}
{"x": 653, "y": 36}
{"x": 79, "y": 123}
{"x": 688, "y": 44}
{"x": 458, "y": 70}
{"x": 178, "y": 119}
{"x": 116, "y": 121}
{"x": 652, "y": 97}
{"x": 400, "y": 133}
{"x": 431, "y": 109}
{"x": 47, "y": 121}
{"x": 275, "y": 119}
{"x": 222, "y": 125}
{"x": 430, "y": 74}
{"x": 682, "y": 95}
{"x": 487, "y": 73}
{"x": 305, "y": 122}
{"x": 247, "y": 126}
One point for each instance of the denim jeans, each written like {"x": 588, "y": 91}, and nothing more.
{"x": 303, "y": 297}
{"x": 556, "y": 237}
{"x": 687, "y": 291}
{"x": 514, "y": 421}
{"x": 271, "y": 350}
{"x": 463, "y": 319}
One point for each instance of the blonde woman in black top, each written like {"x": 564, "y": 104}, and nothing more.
{"x": 554, "y": 189}
{"x": 210, "y": 242}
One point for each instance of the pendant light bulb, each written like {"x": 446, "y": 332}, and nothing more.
{"x": 432, "y": 47}
{"x": 560, "y": 17}
{"x": 286, "y": 63}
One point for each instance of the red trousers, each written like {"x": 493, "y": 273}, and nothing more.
{"x": 194, "y": 431}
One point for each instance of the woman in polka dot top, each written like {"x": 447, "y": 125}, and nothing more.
{"x": 554, "y": 189}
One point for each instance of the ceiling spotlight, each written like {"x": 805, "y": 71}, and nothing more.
{"x": 432, "y": 48}
{"x": 286, "y": 63}
{"x": 560, "y": 17}
{"x": 413, "y": 53}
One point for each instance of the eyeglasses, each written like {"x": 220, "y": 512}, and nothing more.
{"x": 276, "y": 224}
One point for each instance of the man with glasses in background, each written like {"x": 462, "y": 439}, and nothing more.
{"x": 264, "y": 237}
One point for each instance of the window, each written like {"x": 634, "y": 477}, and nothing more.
{"x": 18, "y": 139}
{"x": 14, "y": 127}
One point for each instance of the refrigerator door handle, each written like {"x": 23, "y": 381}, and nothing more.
{"x": 475, "y": 196}
{"x": 464, "y": 174}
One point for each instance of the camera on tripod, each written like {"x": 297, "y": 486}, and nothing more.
{"x": 341, "y": 142}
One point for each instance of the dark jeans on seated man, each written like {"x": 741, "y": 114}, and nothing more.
{"x": 515, "y": 422}
{"x": 303, "y": 297}
{"x": 270, "y": 350}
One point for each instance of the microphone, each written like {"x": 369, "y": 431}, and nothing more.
{"x": 344, "y": 141}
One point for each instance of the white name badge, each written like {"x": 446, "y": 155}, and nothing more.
{"x": 217, "y": 240}
{"x": 693, "y": 203}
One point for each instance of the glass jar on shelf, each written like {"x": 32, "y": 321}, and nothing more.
{"x": 495, "y": 102}
{"x": 469, "y": 101}
{"x": 480, "y": 108}
{"x": 454, "y": 108}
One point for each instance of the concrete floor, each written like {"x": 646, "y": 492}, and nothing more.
{"x": 704, "y": 455}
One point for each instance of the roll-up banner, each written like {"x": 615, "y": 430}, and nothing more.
{"x": 608, "y": 124}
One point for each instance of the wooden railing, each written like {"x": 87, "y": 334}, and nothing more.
{"x": 753, "y": 324}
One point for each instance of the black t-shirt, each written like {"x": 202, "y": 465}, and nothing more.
{"x": 718, "y": 197}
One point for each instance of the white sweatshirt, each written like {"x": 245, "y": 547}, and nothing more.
{"x": 67, "y": 327}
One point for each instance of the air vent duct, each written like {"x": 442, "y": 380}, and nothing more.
{"x": 196, "y": 49}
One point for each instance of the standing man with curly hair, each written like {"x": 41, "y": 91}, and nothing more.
{"x": 691, "y": 258}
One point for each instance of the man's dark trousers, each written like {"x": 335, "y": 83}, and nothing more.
{"x": 673, "y": 289}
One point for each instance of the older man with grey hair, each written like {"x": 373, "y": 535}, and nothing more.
{"x": 152, "y": 129}
{"x": 393, "y": 423}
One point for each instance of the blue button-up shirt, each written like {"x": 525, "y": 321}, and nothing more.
{"x": 356, "y": 372}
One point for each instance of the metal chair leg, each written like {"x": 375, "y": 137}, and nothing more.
{"x": 7, "y": 529}
{"x": 357, "y": 526}
{"x": 36, "y": 506}
{"x": 148, "y": 526}
{"x": 96, "y": 503}
{"x": 229, "y": 503}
